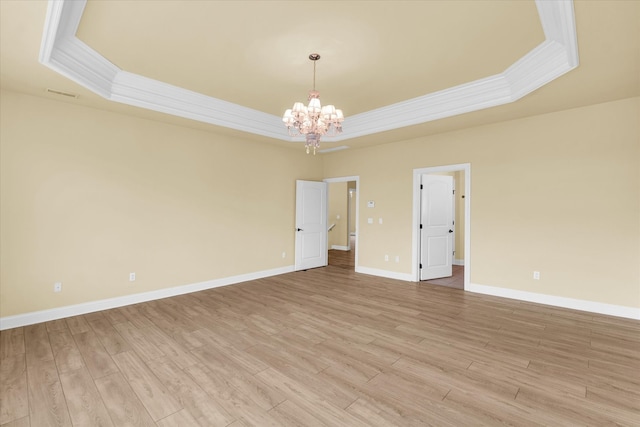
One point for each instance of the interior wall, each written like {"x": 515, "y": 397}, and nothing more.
{"x": 557, "y": 193}
{"x": 88, "y": 196}
{"x": 338, "y": 215}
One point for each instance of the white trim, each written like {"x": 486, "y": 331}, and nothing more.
{"x": 415, "y": 244}
{"x": 331, "y": 150}
{"x": 63, "y": 52}
{"x": 457, "y": 261}
{"x": 572, "y": 303}
{"x": 342, "y": 179}
{"x": 9, "y": 322}
{"x": 384, "y": 273}
{"x": 552, "y": 15}
{"x": 340, "y": 248}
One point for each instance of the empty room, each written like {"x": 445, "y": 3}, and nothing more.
{"x": 309, "y": 213}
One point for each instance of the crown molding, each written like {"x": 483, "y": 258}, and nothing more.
{"x": 476, "y": 95}
{"x": 558, "y": 23}
{"x": 140, "y": 91}
{"x": 63, "y": 52}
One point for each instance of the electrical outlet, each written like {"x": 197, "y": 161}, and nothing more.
{"x": 284, "y": 254}
{"x": 386, "y": 257}
{"x": 536, "y": 275}
{"x": 397, "y": 258}
{"x": 57, "y": 287}
{"x": 132, "y": 277}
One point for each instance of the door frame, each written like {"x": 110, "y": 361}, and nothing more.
{"x": 357, "y": 213}
{"x": 351, "y": 219}
{"x": 415, "y": 250}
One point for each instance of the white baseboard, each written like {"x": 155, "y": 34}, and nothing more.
{"x": 385, "y": 273}
{"x": 9, "y": 322}
{"x": 458, "y": 261}
{"x": 576, "y": 304}
{"x": 340, "y": 248}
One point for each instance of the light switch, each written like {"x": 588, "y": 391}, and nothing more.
{"x": 338, "y": 216}
{"x": 369, "y": 220}
{"x": 379, "y": 220}
{"x": 371, "y": 204}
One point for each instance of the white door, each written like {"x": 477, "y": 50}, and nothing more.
{"x": 311, "y": 224}
{"x": 436, "y": 226}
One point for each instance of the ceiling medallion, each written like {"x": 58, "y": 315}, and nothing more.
{"x": 314, "y": 120}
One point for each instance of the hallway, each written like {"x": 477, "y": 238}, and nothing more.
{"x": 344, "y": 259}
{"x": 456, "y": 281}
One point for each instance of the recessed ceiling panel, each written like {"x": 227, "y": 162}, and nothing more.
{"x": 255, "y": 53}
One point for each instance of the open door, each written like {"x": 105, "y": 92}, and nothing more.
{"x": 436, "y": 227}
{"x": 311, "y": 225}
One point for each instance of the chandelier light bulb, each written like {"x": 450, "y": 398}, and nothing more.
{"x": 313, "y": 120}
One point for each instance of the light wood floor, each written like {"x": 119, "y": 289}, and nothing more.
{"x": 346, "y": 259}
{"x": 324, "y": 347}
{"x": 455, "y": 281}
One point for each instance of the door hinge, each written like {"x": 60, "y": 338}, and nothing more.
{"x": 420, "y": 226}
{"x": 454, "y": 191}
{"x": 420, "y": 265}
{"x": 421, "y": 187}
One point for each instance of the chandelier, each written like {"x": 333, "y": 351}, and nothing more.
{"x": 314, "y": 120}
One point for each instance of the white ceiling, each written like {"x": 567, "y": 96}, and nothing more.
{"x": 254, "y": 54}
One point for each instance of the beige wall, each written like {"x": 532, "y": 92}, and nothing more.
{"x": 89, "y": 196}
{"x": 557, "y": 193}
{"x": 338, "y": 207}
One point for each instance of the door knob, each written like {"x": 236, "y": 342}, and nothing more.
{"x": 450, "y": 231}
{"x": 299, "y": 229}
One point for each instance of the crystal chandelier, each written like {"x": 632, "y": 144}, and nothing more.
{"x": 314, "y": 120}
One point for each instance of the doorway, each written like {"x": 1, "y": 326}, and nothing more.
{"x": 462, "y": 256}
{"x": 343, "y": 221}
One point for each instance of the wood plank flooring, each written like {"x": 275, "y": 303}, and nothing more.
{"x": 323, "y": 347}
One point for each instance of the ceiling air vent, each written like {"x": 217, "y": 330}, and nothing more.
{"x": 58, "y": 92}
